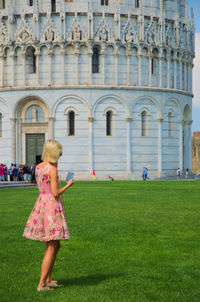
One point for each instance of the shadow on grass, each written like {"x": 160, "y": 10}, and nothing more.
{"x": 90, "y": 279}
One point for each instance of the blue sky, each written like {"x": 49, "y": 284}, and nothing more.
{"x": 196, "y": 71}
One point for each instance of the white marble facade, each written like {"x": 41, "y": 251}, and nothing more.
{"x": 141, "y": 74}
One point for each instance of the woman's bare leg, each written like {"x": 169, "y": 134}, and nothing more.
{"x": 48, "y": 260}
{"x": 52, "y": 264}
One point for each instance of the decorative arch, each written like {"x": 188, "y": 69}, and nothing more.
{"x": 22, "y": 105}
{"x": 151, "y": 99}
{"x": 83, "y": 44}
{"x": 71, "y": 108}
{"x": 5, "y": 49}
{"x": 56, "y": 45}
{"x": 16, "y": 48}
{"x": 110, "y": 108}
{"x": 109, "y": 96}
{"x": 71, "y": 96}
{"x": 146, "y": 109}
{"x": 98, "y": 45}
{"x": 174, "y": 100}
{"x": 134, "y": 47}
{"x": 42, "y": 46}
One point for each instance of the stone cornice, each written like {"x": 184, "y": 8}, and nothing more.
{"x": 98, "y": 87}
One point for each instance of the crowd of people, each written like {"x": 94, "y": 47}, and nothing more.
{"x": 17, "y": 173}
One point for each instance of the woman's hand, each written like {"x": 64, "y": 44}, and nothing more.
{"x": 70, "y": 182}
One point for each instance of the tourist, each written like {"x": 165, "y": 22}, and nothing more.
{"x": 110, "y": 178}
{"x": 5, "y": 173}
{"x": 143, "y": 173}
{"x": 187, "y": 173}
{"x": 178, "y": 173}
{"x": 47, "y": 221}
{"x": 146, "y": 174}
{"x": 15, "y": 172}
{"x": 20, "y": 174}
{"x": 10, "y": 172}
{"x": 33, "y": 173}
{"x": 1, "y": 172}
{"x": 26, "y": 173}
{"x": 93, "y": 175}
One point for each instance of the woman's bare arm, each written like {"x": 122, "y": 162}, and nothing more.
{"x": 55, "y": 190}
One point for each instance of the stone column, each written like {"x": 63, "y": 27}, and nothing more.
{"x": 128, "y": 148}
{"x": 186, "y": 77}
{"x": 150, "y": 55}
{"x": 181, "y": 125}
{"x": 76, "y": 53}
{"x": 175, "y": 73}
{"x": 90, "y": 53}
{"x": 168, "y": 72}
{"x": 13, "y": 140}
{"x": 160, "y": 168}
{"x": 51, "y": 128}
{"x": 12, "y": 56}
{"x": 37, "y": 54}
{"x": 116, "y": 53}
{"x": 2, "y": 69}
{"x": 90, "y": 25}
{"x": 191, "y": 78}
{"x": 160, "y": 72}
{"x": 139, "y": 55}
{"x": 91, "y": 143}
{"x": 50, "y": 54}
{"x": 18, "y": 140}
{"x": 128, "y": 54}
{"x": 180, "y": 64}
{"x": 23, "y": 54}
{"x": 103, "y": 53}
{"x": 190, "y": 144}
{"x": 63, "y": 53}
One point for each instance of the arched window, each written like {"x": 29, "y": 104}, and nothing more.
{"x": 31, "y": 60}
{"x": 53, "y": 6}
{"x": 34, "y": 113}
{"x": 95, "y": 60}
{"x": 71, "y": 123}
{"x": 109, "y": 121}
{"x": 2, "y": 4}
{"x": 144, "y": 120}
{"x": 0, "y": 124}
{"x": 137, "y": 3}
{"x": 170, "y": 124}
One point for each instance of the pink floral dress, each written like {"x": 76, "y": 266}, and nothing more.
{"x": 47, "y": 220}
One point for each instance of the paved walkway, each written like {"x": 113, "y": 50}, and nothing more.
{"x": 15, "y": 184}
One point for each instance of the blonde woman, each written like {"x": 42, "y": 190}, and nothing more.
{"x": 47, "y": 221}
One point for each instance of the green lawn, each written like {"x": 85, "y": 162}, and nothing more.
{"x": 130, "y": 241}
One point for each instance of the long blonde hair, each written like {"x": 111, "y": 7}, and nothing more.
{"x": 52, "y": 151}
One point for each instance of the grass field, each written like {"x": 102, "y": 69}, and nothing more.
{"x": 130, "y": 242}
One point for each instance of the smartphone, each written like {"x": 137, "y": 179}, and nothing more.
{"x": 70, "y": 175}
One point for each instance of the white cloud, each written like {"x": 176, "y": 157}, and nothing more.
{"x": 196, "y": 72}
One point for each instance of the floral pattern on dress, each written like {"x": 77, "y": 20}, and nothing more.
{"x": 47, "y": 220}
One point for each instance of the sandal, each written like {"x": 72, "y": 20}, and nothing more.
{"x": 45, "y": 287}
{"x": 54, "y": 283}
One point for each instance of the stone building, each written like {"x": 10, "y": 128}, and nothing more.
{"x": 110, "y": 79}
{"x": 196, "y": 152}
